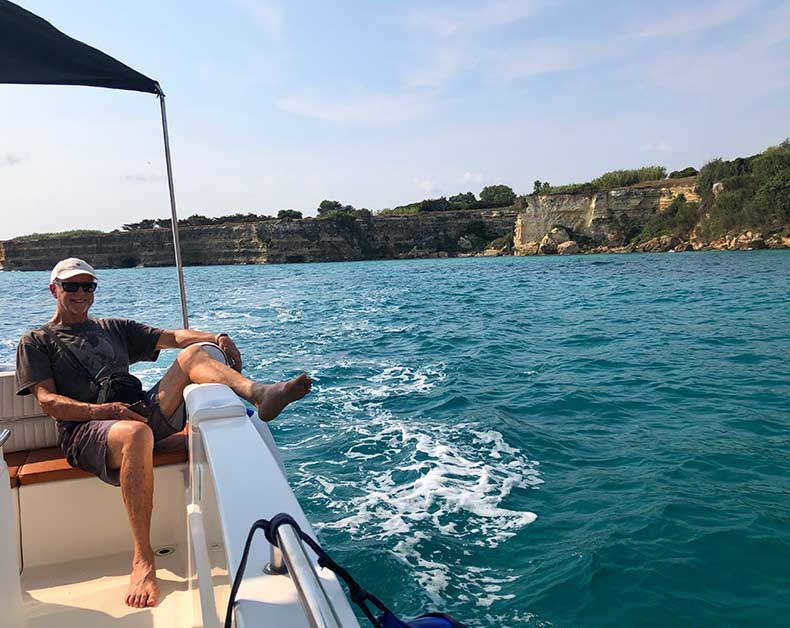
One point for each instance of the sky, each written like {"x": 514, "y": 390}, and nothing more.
{"x": 278, "y": 105}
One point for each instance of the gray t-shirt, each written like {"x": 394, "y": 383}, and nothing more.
{"x": 104, "y": 346}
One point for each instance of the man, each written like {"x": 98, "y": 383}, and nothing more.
{"x": 56, "y": 363}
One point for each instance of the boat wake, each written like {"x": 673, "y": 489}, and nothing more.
{"x": 427, "y": 490}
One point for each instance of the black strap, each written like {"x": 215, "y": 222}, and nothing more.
{"x": 358, "y": 595}
{"x": 51, "y": 333}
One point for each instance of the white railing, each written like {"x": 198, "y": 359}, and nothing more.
{"x": 10, "y": 590}
{"x": 236, "y": 479}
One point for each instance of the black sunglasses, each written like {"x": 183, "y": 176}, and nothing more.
{"x": 73, "y": 286}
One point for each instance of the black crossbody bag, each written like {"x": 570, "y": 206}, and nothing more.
{"x": 123, "y": 387}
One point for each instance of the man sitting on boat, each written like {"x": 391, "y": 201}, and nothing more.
{"x": 64, "y": 362}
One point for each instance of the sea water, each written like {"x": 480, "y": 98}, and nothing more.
{"x": 587, "y": 440}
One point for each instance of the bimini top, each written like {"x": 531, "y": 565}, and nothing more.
{"x": 32, "y": 51}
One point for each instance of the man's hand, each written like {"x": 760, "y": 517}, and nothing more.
{"x": 231, "y": 350}
{"x": 117, "y": 411}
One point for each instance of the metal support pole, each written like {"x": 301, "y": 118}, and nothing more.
{"x": 176, "y": 243}
{"x": 276, "y": 565}
{"x": 315, "y": 602}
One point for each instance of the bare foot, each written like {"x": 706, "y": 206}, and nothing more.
{"x": 272, "y": 398}
{"x": 143, "y": 590}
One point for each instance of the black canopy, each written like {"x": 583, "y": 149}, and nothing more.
{"x": 32, "y": 51}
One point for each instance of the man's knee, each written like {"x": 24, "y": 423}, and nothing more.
{"x": 190, "y": 354}
{"x": 134, "y": 435}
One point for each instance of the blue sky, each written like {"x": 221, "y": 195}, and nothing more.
{"x": 277, "y": 105}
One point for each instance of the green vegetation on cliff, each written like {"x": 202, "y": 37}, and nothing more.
{"x": 746, "y": 193}
{"x": 607, "y": 181}
{"x": 678, "y": 219}
{"x": 491, "y": 197}
{"x": 58, "y": 234}
{"x": 682, "y": 174}
{"x": 196, "y": 220}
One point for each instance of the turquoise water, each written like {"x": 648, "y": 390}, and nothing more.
{"x": 591, "y": 440}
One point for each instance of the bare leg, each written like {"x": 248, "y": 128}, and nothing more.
{"x": 130, "y": 448}
{"x": 193, "y": 365}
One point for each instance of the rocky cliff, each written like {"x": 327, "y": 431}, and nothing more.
{"x": 599, "y": 218}
{"x": 277, "y": 241}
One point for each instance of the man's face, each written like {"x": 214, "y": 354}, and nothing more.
{"x": 77, "y": 303}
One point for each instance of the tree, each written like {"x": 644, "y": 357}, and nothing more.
{"x": 148, "y": 223}
{"x": 691, "y": 171}
{"x": 329, "y": 206}
{"x": 195, "y": 220}
{"x": 463, "y": 201}
{"x": 440, "y": 204}
{"x": 289, "y": 213}
{"x": 537, "y": 186}
{"x": 497, "y": 196}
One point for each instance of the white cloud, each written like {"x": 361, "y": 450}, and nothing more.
{"x": 447, "y": 62}
{"x": 267, "y": 14}
{"x": 450, "y": 20}
{"x": 470, "y": 178}
{"x": 10, "y": 160}
{"x": 144, "y": 178}
{"x": 752, "y": 68}
{"x": 550, "y": 55}
{"x": 364, "y": 110}
{"x": 693, "y": 19}
{"x": 428, "y": 186}
{"x": 656, "y": 147}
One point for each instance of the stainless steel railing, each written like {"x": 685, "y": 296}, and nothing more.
{"x": 291, "y": 559}
{"x": 4, "y": 436}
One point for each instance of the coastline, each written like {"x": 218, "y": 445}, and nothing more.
{"x": 601, "y": 221}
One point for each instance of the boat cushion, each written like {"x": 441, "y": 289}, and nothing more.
{"x": 48, "y": 464}
{"x": 30, "y": 427}
{"x": 15, "y": 460}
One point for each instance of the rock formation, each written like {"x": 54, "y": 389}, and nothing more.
{"x": 433, "y": 234}
{"x": 599, "y": 218}
{"x": 568, "y": 248}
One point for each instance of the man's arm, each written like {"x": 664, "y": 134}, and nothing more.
{"x": 181, "y": 338}
{"x": 62, "y": 408}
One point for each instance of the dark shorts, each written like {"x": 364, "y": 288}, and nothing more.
{"x": 87, "y": 446}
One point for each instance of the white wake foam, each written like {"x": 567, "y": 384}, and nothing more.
{"x": 418, "y": 483}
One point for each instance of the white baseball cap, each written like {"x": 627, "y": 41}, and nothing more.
{"x": 71, "y": 267}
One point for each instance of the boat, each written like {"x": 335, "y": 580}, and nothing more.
{"x": 64, "y": 539}
{"x": 65, "y": 544}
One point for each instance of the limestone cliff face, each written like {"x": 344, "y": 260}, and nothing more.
{"x": 233, "y": 244}
{"x": 280, "y": 241}
{"x": 600, "y": 217}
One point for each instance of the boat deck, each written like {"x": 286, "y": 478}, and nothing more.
{"x": 90, "y": 594}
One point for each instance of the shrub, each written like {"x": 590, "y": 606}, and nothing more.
{"x": 686, "y": 172}
{"x": 404, "y": 210}
{"x": 326, "y": 207}
{"x": 772, "y": 200}
{"x": 463, "y": 201}
{"x": 624, "y": 178}
{"x": 572, "y": 188}
{"x": 74, "y": 233}
{"x": 501, "y": 242}
{"x": 289, "y": 213}
{"x": 756, "y": 192}
{"x": 678, "y": 219}
{"x": 339, "y": 217}
{"x": 774, "y": 161}
{"x": 497, "y": 196}
{"x": 440, "y": 204}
